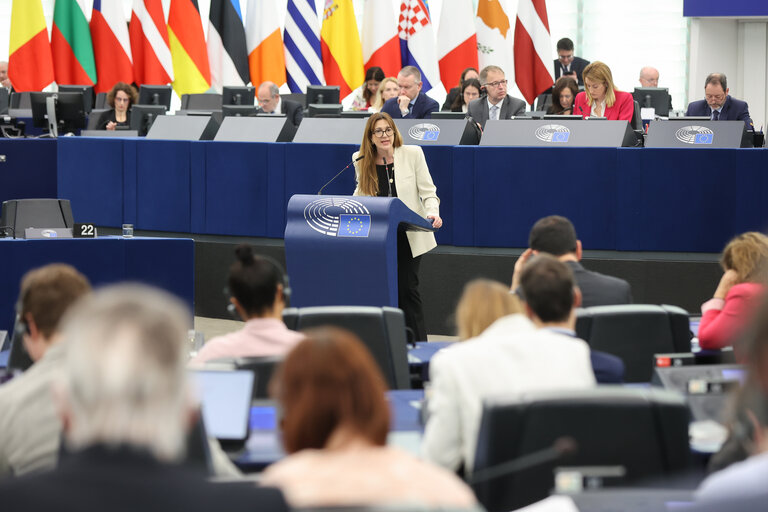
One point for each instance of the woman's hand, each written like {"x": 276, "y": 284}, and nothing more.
{"x": 437, "y": 222}
{"x": 111, "y": 125}
{"x": 730, "y": 278}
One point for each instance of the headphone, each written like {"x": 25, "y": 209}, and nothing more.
{"x": 281, "y": 279}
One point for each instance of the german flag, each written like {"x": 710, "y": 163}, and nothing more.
{"x": 30, "y": 65}
{"x": 191, "y": 71}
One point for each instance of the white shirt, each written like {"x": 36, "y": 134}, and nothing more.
{"x": 490, "y": 107}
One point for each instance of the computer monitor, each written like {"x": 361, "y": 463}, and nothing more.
{"x": 448, "y": 115}
{"x": 155, "y": 95}
{"x": 225, "y": 397}
{"x": 85, "y": 90}
{"x": 324, "y": 110}
{"x": 356, "y": 114}
{"x": 656, "y": 98}
{"x": 240, "y": 95}
{"x": 327, "y": 94}
{"x": 67, "y": 114}
{"x": 561, "y": 117}
{"x": 5, "y": 100}
{"x": 238, "y": 110}
{"x": 142, "y": 117}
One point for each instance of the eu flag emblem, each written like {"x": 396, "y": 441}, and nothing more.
{"x": 354, "y": 225}
{"x": 703, "y": 138}
{"x": 560, "y": 136}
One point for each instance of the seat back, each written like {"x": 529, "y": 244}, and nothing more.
{"x": 94, "y": 116}
{"x": 637, "y": 119}
{"x": 201, "y": 101}
{"x": 634, "y": 333}
{"x": 645, "y": 431}
{"x": 543, "y": 101}
{"x": 382, "y": 330}
{"x": 263, "y": 369}
{"x": 100, "y": 101}
{"x": 298, "y": 97}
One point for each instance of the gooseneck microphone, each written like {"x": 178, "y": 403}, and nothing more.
{"x": 561, "y": 447}
{"x": 320, "y": 192}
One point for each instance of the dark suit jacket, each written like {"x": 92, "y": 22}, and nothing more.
{"x": 733, "y": 110}
{"x": 479, "y": 111}
{"x": 598, "y": 289}
{"x": 123, "y": 479}
{"x": 577, "y": 65}
{"x": 422, "y": 108}
{"x": 108, "y": 116}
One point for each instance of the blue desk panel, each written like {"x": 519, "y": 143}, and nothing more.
{"x": 164, "y": 262}
{"x": 29, "y": 170}
{"x": 163, "y": 177}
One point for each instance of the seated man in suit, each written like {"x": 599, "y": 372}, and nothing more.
{"x": 497, "y": 104}
{"x": 718, "y": 105}
{"x": 568, "y": 65}
{"x": 268, "y": 96}
{"x": 411, "y": 103}
{"x": 125, "y": 403}
{"x": 551, "y": 298}
{"x": 4, "y": 80}
{"x": 556, "y": 235}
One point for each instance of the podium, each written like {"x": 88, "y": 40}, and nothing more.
{"x": 342, "y": 250}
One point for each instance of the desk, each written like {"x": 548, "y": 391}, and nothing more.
{"x": 167, "y": 263}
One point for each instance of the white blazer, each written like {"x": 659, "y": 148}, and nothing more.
{"x": 511, "y": 357}
{"x": 414, "y": 188}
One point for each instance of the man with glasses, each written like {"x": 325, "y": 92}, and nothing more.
{"x": 411, "y": 103}
{"x": 568, "y": 65}
{"x": 718, "y": 104}
{"x": 268, "y": 97}
{"x": 497, "y": 104}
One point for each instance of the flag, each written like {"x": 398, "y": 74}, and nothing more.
{"x": 533, "y": 74}
{"x": 456, "y": 42}
{"x": 152, "y": 63}
{"x": 226, "y": 44}
{"x": 417, "y": 42}
{"x": 266, "y": 59}
{"x": 381, "y": 43}
{"x": 71, "y": 46}
{"x": 111, "y": 46}
{"x": 340, "y": 46}
{"x": 494, "y": 37}
{"x": 30, "y": 65}
{"x": 303, "y": 57}
{"x": 191, "y": 72}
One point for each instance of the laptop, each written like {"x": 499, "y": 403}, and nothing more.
{"x": 225, "y": 400}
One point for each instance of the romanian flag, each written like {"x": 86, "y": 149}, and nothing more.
{"x": 111, "y": 45}
{"x": 191, "y": 71}
{"x": 71, "y": 45}
{"x": 341, "y": 49}
{"x": 30, "y": 66}
{"x": 266, "y": 59}
{"x": 149, "y": 43}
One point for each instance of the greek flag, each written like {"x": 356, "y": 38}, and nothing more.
{"x": 303, "y": 58}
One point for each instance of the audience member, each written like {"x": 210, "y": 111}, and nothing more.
{"x": 745, "y": 266}
{"x": 649, "y": 77}
{"x": 411, "y": 103}
{"x": 259, "y": 294}
{"x": 363, "y": 96}
{"x": 125, "y": 405}
{"x": 388, "y": 89}
{"x": 455, "y": 92}
{"x": 335, "y": 425}
{"x": 717, "y": 104}
{"x": 482, "y": 303}
{"x": 470, "y": 91}
{"x": 270, "y": 102}
{"x": 566, "y": 64}
{"x": 4, "y": 80}
{"x": 563, "y": 96}
{"x": 551, "y": 298}
{"x": 497, "y": 104}
{"x": 601, "y": 98}
{"x": 510, "y": 357}
{"x": 556, "y": 235}
{"x": 29, "y": 425}
{"x": 121, "y": 98}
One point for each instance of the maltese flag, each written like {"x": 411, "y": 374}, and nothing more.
{"x": 456, "y": 41}
{"x": 417, "y": 42}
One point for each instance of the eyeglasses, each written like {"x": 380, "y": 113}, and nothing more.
{"x": 380, "y": 133}
{"x": 497, "y": 83}
{"x": 123, "y": 100}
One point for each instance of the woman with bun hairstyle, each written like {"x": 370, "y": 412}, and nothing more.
{"x": 258, "y": 296}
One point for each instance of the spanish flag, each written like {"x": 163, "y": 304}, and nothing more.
{"x": 341, "y": 50}
{"x": 30, "y": 66}
{"x": 191, "y": 72}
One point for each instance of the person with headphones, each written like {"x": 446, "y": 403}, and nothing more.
{"x": 259, "y": 292}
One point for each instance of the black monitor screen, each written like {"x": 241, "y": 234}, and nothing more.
{"x": 85, "y": 90}
{"x": 320, "y": 110}
{"x": 142, "y": 117}
{"x": 328, "y": 94}
{"x": 238, "y": 110}
{"x": 4, "y": 100}
{"x": 69, "y": 110}
{"x": 155, "y": 95}
{"x": 240, "y": 95}
{"x": 448, "y": 115}
{"x": 656, "y": 98}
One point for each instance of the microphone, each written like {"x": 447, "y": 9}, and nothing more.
{"x": 561, "y": 447}
{"x": 320, "y": 192}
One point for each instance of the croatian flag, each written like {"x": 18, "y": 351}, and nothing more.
{"x": 417, "y": 42}
{"x": 301, "y": 37}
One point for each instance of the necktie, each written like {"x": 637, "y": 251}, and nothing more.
{"x": 715, "y": 115}
{"x": 494, "y": 112}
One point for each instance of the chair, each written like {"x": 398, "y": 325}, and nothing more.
{"x": 100, "y": 101}
{"x": 94, "y": 116}
{"x": 298, "y": 97}
{"x": 382, "y": 330}
{"x": 637, "y": 118}
{"x": 635, "y": 332}
{"x": 645, "y": 431}
{"x": 202, "y": 101}
{"x": 544, "y": 101}
{"x": 21, "y": 100}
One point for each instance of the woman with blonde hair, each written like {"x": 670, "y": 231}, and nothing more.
{"x": 600, "y": 97}
{"x": 388, "y": 88}
{"x": 482, "y": 303}
{"x": 745, "y": 266}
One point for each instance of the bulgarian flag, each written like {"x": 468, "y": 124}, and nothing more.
{"x": 71, "y": 45}
{"x": 30, "y": 65}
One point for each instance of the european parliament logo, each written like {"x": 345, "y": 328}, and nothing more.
{"x": 354, "y": 225}
{"x": 695, "y": 135}
{"x": 338, "y": 216}
{"x": 424, "y": 131}
{"x": 552, "y": 133}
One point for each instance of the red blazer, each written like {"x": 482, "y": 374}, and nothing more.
{"x": 622, "y": 110}
{"x": 720, "y": 327}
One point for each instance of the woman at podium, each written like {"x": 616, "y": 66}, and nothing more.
{"x": 387, "y": 168}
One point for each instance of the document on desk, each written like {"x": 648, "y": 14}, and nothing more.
{"x": 557, "y": 503}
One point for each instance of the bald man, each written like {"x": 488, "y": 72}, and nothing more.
{"x": 4, "y": 80}
{"x": 268, "y": 96}
{"x": 649, "y": 77}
